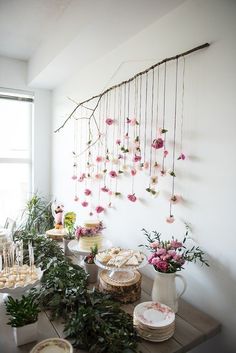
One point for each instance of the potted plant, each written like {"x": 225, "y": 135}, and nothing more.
{"x": 90, "y": 267}
{"x": 167, "y": 258}
{"x": 23, "y": 318}
{"x": 69, "y": 222}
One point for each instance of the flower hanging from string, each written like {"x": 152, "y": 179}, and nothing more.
{"x": 109, "y": 121}
{"x": 181, "y": 157}
{"x": 158, "y": 143}
{"x": 87, "y": 192}
{"x": 84, "y": 203}
{"x": 170, "y": 219}
{"x": 100, "y": 209}
{"x": 132, "y": 198}
{"x": 113, "y": 174}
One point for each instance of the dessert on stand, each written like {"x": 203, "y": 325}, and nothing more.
{"x": 15, "y": 276}
{"x": 87, "y": 237}
{"x": 120, "y": 275}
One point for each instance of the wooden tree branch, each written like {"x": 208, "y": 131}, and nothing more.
{"x": 100, "y": 95}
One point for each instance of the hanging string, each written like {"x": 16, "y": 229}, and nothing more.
{"x": 145, "y": 116}
{"x": 164, "y": 117}
{"x": 133, "y": 171}
{"x": 157, "y": 109}
{"x": 152, "y": 115}
{"x": 118, "y": 141}
{"x": 140, "y": 112}
{"x": 182, "y": 108}
{"x": 174, "y": 136}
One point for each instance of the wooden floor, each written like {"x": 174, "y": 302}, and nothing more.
{"x": 193, "y": 327}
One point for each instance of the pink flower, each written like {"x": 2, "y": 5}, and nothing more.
{"x": 118, "y": 141}
{"x": 146, "y": 165}
{"x": 87, "y": 192}
{"x": 133, "y": 172}
{"x": 100, "y": 209}
{"x": 158, "y": 143}
{"x": 160, "y": 251}
{"x": 104, "y": 189}
{"x": 133, "y": 122}
{"x": 136, "y": 158}
{"x": 132, "y": 197}
{"x": 110, "y": 192}
{"x": 172, "y": 253}
{"x": 128, "y": 120}
{"x": 170, "y": 219}
{"x": 99, "y": 159}
{"x": 74, "y": 177}
{"x": 113, "y": 174}
{"x": 84, "y": 203}
{"x": 150, "y": 257}
{"x": 76, "y": 198}
{"x": 181, "y": 156}
{"x": 165, "y": 153}
{"x": 163, "y": 172}
{"x": 98, "y": 176}
{"x": 176, "y": 244}
{"x": 82, "y": 177}
{"x": 155, "y": 261}
{"x": 162, "y": 266}
{"x": 154, "y": 245}
{"x": 175, "y": 199}
{"x": 126, "y": 136}
{"x": 109, "y": 121}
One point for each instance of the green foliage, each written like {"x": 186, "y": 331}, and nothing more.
{"x": 37, "y": 216}
{"x": 63, "y": 288}
{"x": 22, "y": 311}
{"x": 99, "y": 325}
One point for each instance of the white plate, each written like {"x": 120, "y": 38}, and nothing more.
{"x": 154, "y": 314}
{"x": 53, "y": 345}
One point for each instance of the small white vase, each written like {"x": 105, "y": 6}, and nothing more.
{"x": 164, "y": 289}
{"x": 25, "y": 334}
{"x": 92, "y": 271}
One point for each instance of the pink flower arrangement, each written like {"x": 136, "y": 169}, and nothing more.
{"x": 109, "y": 121}
{"x": 113, "y": 174}
{"x": 158, "y": 143}
{"x": 133, "y": 172}
{"x": 87, "y": 192}
{"x": 88, "y": 232}
{"x": 171, "y": 255}
{"x": 132, "y": 197}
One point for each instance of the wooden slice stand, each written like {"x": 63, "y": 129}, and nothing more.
{"x": 127, "y": 292}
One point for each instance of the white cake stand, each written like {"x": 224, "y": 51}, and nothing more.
{"x": 122, "y": 274}
{"x": 74, "y": 247}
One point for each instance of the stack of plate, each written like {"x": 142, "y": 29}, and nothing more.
{"x": 154, "y": 321}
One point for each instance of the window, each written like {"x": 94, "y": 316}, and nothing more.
{"x": 15, "y": 152}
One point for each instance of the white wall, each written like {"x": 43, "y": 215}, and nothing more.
{"x": 13, "y": 75}
{"x": 207, "y": 180}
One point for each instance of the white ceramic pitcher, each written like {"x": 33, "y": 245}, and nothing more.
{"x": 164, "y": 289}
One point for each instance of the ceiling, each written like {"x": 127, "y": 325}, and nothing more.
{"x": 24, "y": 24}
{"x": 57, "y": 37}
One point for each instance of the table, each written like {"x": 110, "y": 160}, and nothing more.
{"x": 193, "y": 327}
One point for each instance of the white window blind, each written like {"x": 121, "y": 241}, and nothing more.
{"x": 16, "y": 113}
